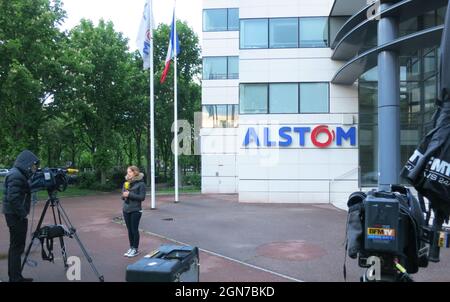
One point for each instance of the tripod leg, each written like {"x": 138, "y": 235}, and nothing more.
{"x": 61, "y": 239}
{"x": 41, "y": 219}
{"x": 66, "y": 220}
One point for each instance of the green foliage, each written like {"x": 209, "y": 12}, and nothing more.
{"x": 82, "y": 97}
{"x": 194, "y": 180}
{"x": 86, "y": 180}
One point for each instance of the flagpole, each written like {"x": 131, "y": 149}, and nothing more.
{"x": 152, "y": 111}
{"x": 175, "y": 105}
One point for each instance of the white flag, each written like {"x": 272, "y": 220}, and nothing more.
{"x": 145, "y": 35}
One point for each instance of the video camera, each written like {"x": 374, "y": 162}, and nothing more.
{"x": 392, "y": 227}
{"x": 51, "y": 179}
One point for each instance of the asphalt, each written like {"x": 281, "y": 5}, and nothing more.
{"x": 239, "y": 242}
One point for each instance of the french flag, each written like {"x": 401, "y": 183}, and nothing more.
{"x": 170, "y": 50}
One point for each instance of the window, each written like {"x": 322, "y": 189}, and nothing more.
{"x": 253, "y": 98}
{"x": 215, "y": 68}
{"x": 233, "y": 19}
{"x": 215, "y": 20}
{"x": 283, "y": 98}
{"x": 254, "y": 33}
{"x": 313, "y": 32}
{"x": 314, "y": 98}
{"x": 233, "y": 67}
{"x": 220, "y": 116}
{"x": 223, "y": 19}
{"x": 220, "y": 68}
{"x": 283, "y": 33}
{"x": 280, "y": 98}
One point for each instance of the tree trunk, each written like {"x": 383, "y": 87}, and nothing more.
{"x": 103, "y": 177}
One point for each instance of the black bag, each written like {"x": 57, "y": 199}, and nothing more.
{"x": 428, "y": 169}
{"x": 47, "y": 234}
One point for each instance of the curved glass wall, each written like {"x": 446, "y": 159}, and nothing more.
{"x": 418, "y": 92}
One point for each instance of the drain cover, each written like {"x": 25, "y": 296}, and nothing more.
{"x": 295, "y": 250}
{"x": 168, "y": 219}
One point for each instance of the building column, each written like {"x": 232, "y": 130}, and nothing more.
{"x": 388, "y": 105}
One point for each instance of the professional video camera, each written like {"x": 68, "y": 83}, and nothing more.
{"x": 392, "y": 227}
{"x": 51, "y": 179}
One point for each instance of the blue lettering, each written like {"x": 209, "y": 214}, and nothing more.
{"x": 342, "y": 135}
{"x": 301, "y": 134}
{"x": 251, "y": 136}
{"x": 267, "y": 141}
{"x": 284, "y": 135}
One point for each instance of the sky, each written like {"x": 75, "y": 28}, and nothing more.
{"x": 126, "y": 14}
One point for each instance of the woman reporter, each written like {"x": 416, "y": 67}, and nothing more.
{"x": 133, "y": 194}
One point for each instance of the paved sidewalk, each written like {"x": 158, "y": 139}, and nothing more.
{"x": 239, "y": 242}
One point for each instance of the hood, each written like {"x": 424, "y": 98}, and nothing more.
{"x": 136, "y": 178}
{"x": 25, "y": 161}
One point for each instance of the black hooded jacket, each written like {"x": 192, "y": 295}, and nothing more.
{"x": 16, "y": 193}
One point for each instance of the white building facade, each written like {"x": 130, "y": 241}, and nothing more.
{"x": 276, "y": 127}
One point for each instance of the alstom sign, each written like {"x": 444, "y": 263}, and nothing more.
{"x": 321, "y": 136}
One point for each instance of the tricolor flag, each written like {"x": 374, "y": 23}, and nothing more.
{"x": 144, "y": 37}
{"x": 170, "y": 52}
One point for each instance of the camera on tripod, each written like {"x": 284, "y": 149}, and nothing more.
{"x": 393, "y": 227}
{"x": 51, "y": 179}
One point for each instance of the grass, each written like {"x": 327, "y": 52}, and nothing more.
{"x": 181, "y": 190}
{"x": 70, "y": 192}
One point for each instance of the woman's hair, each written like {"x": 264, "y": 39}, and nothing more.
{"x": 135, "y": 170}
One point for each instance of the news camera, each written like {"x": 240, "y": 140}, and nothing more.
{"x": 393, "y": 227}
{"x": 51, "y": 179}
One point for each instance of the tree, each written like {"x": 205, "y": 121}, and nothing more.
{"x": 97, "y": 61}
{"x": 29, "y": 69}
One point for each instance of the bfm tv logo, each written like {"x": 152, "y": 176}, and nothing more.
{"x": 321, "y": 136}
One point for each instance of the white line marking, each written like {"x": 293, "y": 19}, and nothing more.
{"x": 227, "y": 258}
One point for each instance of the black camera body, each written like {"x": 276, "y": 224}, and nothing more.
{"x": 390, "y": 226}
{"x": 50, "y": 179}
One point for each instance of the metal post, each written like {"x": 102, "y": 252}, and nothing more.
{"x": 388, "y": 105}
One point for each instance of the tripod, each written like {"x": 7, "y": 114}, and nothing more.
{"x": 53, "y": 202}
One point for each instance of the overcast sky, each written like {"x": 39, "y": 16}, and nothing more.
{"x": 126, "y": 14}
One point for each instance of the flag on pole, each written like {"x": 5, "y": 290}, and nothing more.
{"x": 170, "y": 51}
{"x": 145, "y": 34}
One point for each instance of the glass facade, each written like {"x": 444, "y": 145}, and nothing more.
{"x": 283, "y": 33}
{"x": 280, "y": 98}
{"x": 313, "y": 32}
{"x": 220, "y": 68}
{"x": 418, "y": 92}
{"x": 220, "y": 116}
{"x": 221, "y": 19}
{"x": 304, "y": 32}
{"x": 254, "y": 33}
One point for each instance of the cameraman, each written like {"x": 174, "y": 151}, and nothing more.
{"x": 16, "y": 207}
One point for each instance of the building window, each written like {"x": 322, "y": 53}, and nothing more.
{"x": 314, "y": 98}
{"x": 220, "y": 116}
{"x": 220, "y": 68}
{"x": 254, "y": 98}
{"x": 278, "y": 98}
{"x": 222, "y": 19}
{"x": 233, "y": 19}
{"x": 254, "y": 33}
{"x": 283, "y": 33}
{"x": 314, "y": 32}
{"x": 233, "y": 68}
{"x": 283, "y": 98}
